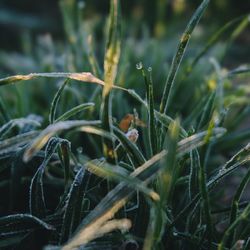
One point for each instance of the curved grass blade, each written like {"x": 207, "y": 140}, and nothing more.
{"x": 111, "y": 203}
{"x": 239, "y": 159}
{"x": 144, "y": 172}
{"x": 16, "y": 142}
{"x": 82, "y": 77}
{"x": 55, "y": 101}
{"x": 51, "y": 130}
{"x": 37, "y": 202}
{"x": 20, "y": 122}
{"x": 238, "y": 71}
{"x": 111, "y": 61}
{"x": 74, "y": 111}
{"x": 22, "y": 221}
{"x": 166, "y": 120}
{"x": 207, "y": 111}
{"x": 14, "y": 228}
{"x": 179, "y": 55}
{"x": 73, "y": 204}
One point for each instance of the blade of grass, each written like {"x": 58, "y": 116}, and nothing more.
{"x": 82, "y": 77}
{"x": 70, "y": 205}
{"x": 239, "y": 159}
{"x": 112, "y": 56}
{"x": 216, "y": 37}
{"x": 166, "y": 183}
{"x": 36, "y": 201}
{"x": 55, "y": 101}
{"x": 74, "y": 111}
{"x": 207, "y": 111}
{"x": 236, "y": 200}
{"x": 4, "y": 111}
{"x": 110, "y": 204}
{"x": 20, "y": 122}
{"x": 179, "y": 55}
{"x": 14, "y": 143}
{"x": 151, "y": 115}
{"x": 194, "y": 172}
{"x": 51, "y": 130}
{"x": 64, "y": 154}
{"x": 119, "y": 175}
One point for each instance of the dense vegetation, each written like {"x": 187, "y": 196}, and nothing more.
{"x": 136, "y": 151}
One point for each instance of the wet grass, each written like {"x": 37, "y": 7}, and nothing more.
{"x": 83, "y": 174}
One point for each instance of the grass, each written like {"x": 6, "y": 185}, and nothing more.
{"x": 73, "y": 177}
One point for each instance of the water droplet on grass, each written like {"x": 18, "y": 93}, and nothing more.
{"x": 139, "y": 65}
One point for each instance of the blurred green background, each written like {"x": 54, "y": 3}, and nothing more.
{"x": 34, "y": 16}
{"x": 69, "y": 36}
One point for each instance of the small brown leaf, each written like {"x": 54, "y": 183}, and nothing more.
{"x": 127, "y": 120}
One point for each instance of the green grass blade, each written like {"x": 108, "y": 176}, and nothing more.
{"x": 237, "y": 196}
{"x": 74, "y": 111}
{"x": 166, "y": 183}
{"x": 70, "y": 206}
{"x": 22, "y": 221}
{"x": 55, "y": 101}
{"x": 112, "y": 56}
{"x": 238, "y": 160}
{"x": 151, "y": 115}
{"x": 119, "y": 175}
{"x": 4, "y": 111}
{"x": 207, "y": 111}
{"x": 51, "y": 130}
{"x": 20, "y": 122}
{"x": 111, "y": 203}
{"x": 205, "y": 200}
{"x": 179, "y": 55}
{"x": 64, "y": 154}
{"x": 16, "y": 142}
{"x": 37, "y": 202}
{"x": 238, "y": 71}
{"x": 166, "y": 120}
{"x": 193, "y": 184}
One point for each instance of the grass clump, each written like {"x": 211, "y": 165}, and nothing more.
{"x": 76, "y": 178}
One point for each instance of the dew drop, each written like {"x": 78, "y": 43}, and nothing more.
{"x": 79, "y": 150}
{"x": 149, "y": 69}
{"x": 139, "y": 65}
